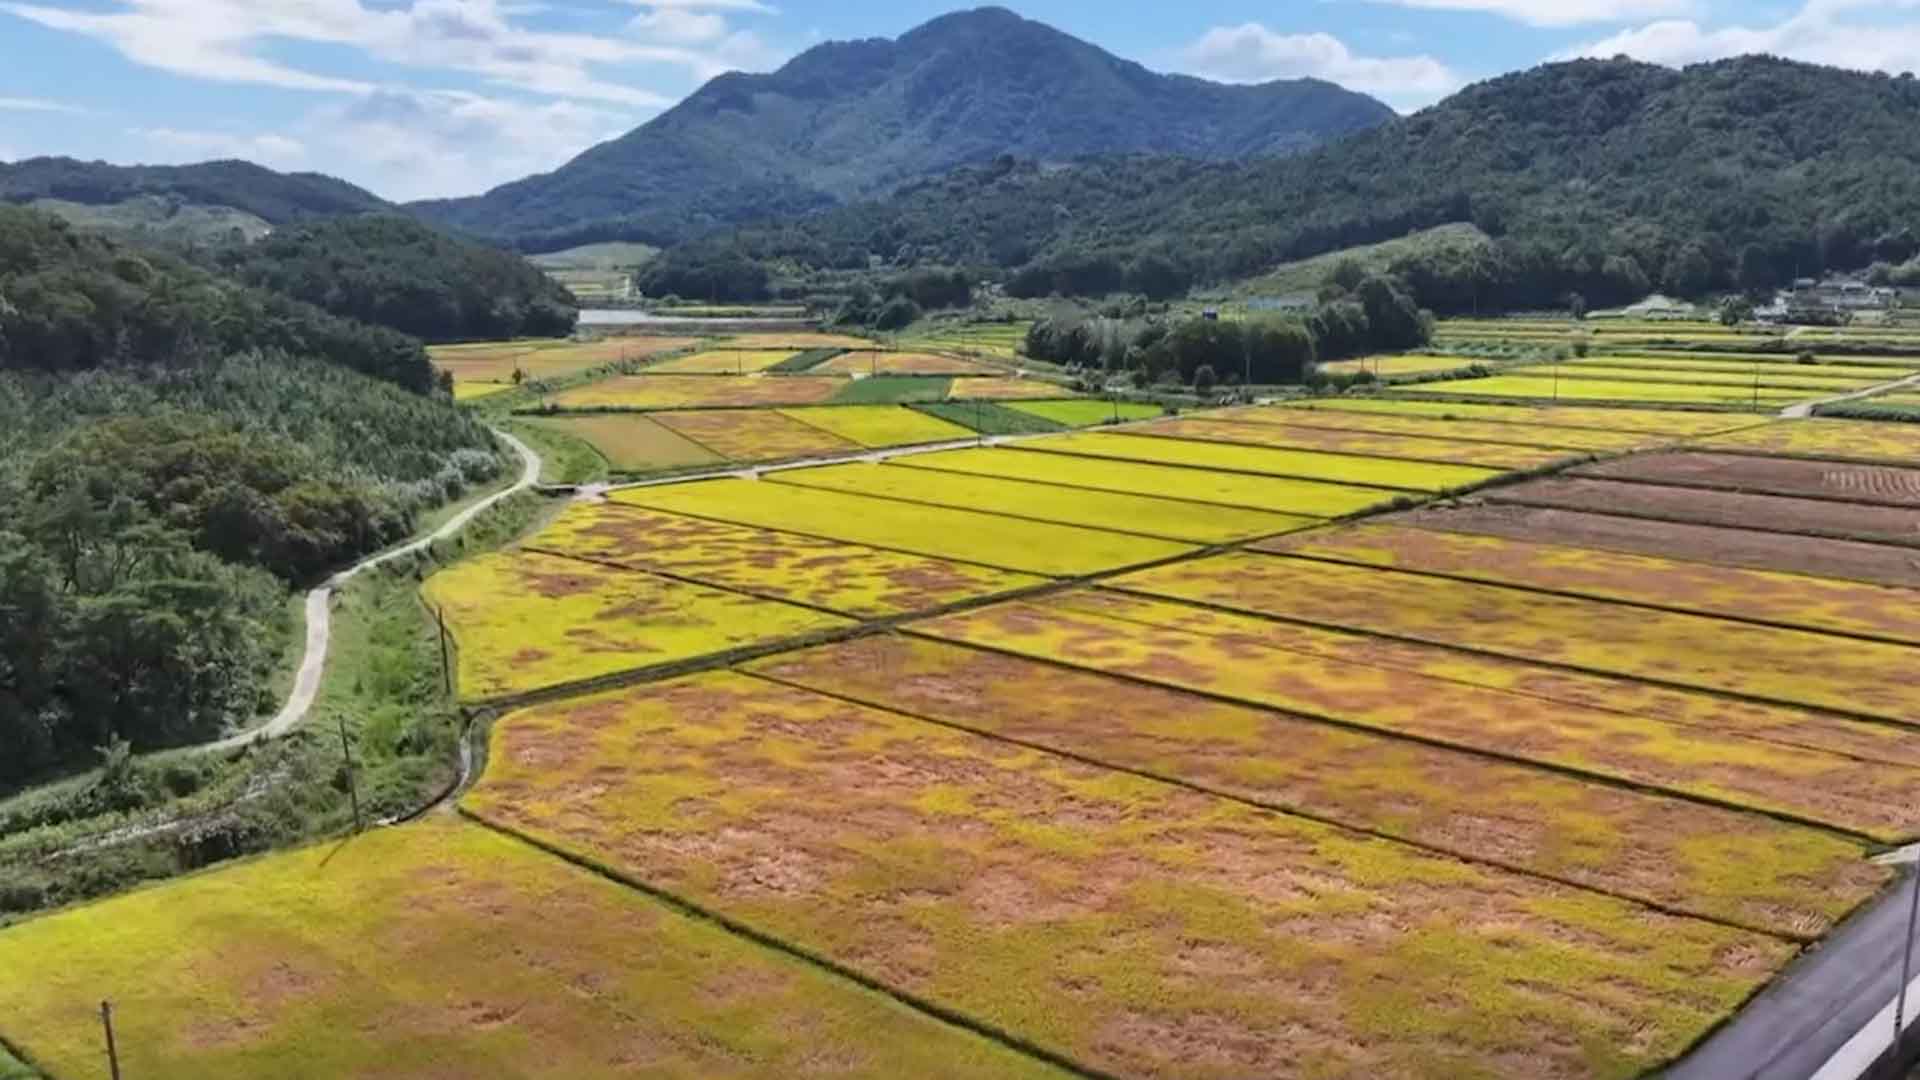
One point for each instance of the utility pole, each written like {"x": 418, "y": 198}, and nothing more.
{"x": 113, "y": 1052}
{"x": 353, "y": 785}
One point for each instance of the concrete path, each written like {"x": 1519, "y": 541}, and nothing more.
{"x": 1805, "y": 408}
{"x": 319, "y": 611}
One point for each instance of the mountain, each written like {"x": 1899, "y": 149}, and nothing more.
{"x": 853, "y": 119}
{"x": 1602, "y": 177}
{"x": 180, "y": 201}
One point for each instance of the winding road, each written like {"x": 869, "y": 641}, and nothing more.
{"x": 306, "y": 684}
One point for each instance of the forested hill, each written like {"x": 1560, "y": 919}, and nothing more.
{"x": 276, "y": 198}
{"x": 1606, "y": 176}
{"x": 393, "y": 271}
{"x": 852, "y": 119}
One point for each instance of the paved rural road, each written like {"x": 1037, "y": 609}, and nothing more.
{"x": 306, "y": 684}
{"x": 1805, "y": 408}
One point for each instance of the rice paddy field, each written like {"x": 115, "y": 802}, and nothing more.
{"x": 1350, "y": 739}
{"x": 643, "y": 392}
{"x": 724, "y": 362}
{"x": 1083, "y": 412}
{"x": 492, "y": 364}
{"x": 1540, "y": 385}
{"x": 1399, "y": 365}
{"x": 632, "y": 444}
{"x": 1000, "y": 340}
{"x": 1776, "y": 376}
{"x": 1003, "y": 389}
{"x": 905, "y": 363}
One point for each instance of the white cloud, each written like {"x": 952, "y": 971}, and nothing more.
{"x": 175, "y": 146}
{"x": 14, "y": 104}
{"x": 1253, "y": 53}
{"x": 1563, "y": 12}
{"x": 1822, "y": 32}
{"x": 222, "y": 40}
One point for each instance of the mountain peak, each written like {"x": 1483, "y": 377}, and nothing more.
{"x": 852, "y": 120}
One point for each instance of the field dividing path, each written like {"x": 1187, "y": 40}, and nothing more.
{"x": 1805, "y": 408}
{"x": 306, "y": 684}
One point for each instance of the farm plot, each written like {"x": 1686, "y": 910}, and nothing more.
{"x": 1769, "y": 364}
{"x": 701, "y": 392}
{"x": 1879, "y": 485}
{"x": 1726, "y": 509}
{"x": 476, "y": 391}
{"x": 1132, "y": 926}
{"x": 1568, "y": 388}
{"x": 893, "y": 390}
{"x": 1402, "y": 366}
{"x": 798, "y": 340}
{"x": 444, "y": 949}
{"x": 1168, "y": 519}
{"x": 1894, "y": 401}
{"x": 1775, "y": 376}
{"x": 494, "y": 363}
{"x": 1753, "y": 757}
{"x": 526, "y": 621}
{"x": 1298, "y": 464}
{"x": 847, "y": 579}
{"x": 631, "y": 444}
{"x": 1793, "y": 600}
{"x": 1003, "y": 340}
{"x": 988, "y": 417}
{"x": 1750, "y": 869}
{"x": 879, "y": 425}
{"x": 1004, "y": 389}
{"x": 1793, "y": 667}
{"x": 1406, "y": 447}
{"x": 1716, "y": 545}
{"x": 1833, "y": 440}
{"x": 1484, "y": 431}
{"x": 1085, "y": 412}
{"x": 754, "y": 434}
{"x": 941, "y": 532}
{"x": 724, "y": 362}
{"x": 1310, "y": 498}
{"x": 1646, "y": 421}
{"x": 906, "y": 363}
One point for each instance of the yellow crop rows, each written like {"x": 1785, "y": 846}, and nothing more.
{"x": 1369, "y": 444}
{"x": 724, "y": 362}
{"x": 1298, "y": 464}
{"x": 1838, "y": 440}
{"x": 879, "y": 425}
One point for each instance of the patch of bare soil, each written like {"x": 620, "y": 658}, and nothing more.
{"x": 1877, "y": 484}
{"x": 1727, "y": 509}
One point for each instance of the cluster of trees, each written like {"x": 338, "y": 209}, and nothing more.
{"x": 714, "y": 272}
{"x": 177, "y": 451}
{"x": 277, "y": 198}
{"x": 1768, "y": 170}
{"x": 395, "y": 272}
{"x": 1360, "y": 313}
{"x": 899, "y": 301}
{"x": 70, "y": 302}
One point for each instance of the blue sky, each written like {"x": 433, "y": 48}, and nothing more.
{"x": 419, "y": 98}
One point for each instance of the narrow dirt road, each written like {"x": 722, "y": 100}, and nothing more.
{"x": 306, "y": 684}
{"x": 1805, "y": 408}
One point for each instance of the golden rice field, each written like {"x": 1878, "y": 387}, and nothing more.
{"x": 1310, "y": 498}
{"x": 630, "y": 443}
{"x": 1627, "y": 392}
{"x": 1783, "y": 878}
{"x": 754, "y": 434}
{"x": 1085, "y": 412}
{"x": 493, "y": 363}
{"x": 702, "y": 392}
{"x": 444, "y": 949}
{"x": 1789, "y": 666}
{"x": 1004, "y": 389}
{"x": 1506, "y": 433}
{"x": 846, "y": 579}
{"x": 1791, "y": 378}
{"x": 1838, "y": 440}
{"x": 1001, "y": 340}
{"x": 1400, "y": 365}
{"x": 1298, "y": 464}
{"x": 1591, "y": 418}
{"x": 1895, "y": 401}
{"x": 905, "y": 363}
{"x": 724, "y": 362}
{"x": 1815, "y": 603}
{"x": 1368, "y": 444}
{"x": 1768, "y": 364}
{"x": 526, "y": 621}
{"x": 1098, "y": 913}
{"x": 1256, "y": 661}
{"x": 879, "y": 425}
{"x": 794, "y": 341}
{"x": 1168, "y": 519}
{"x": 476, "y": 391}
{"x": 940, "y": 532}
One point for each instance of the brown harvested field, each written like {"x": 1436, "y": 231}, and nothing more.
{"x": 1857, "y": 776}
{"x": 546, "y": 360}
{"x": 1135, "y": 927}
{"x": 1009, "y": 388}
{"x": 1788, "y": 666}
{"x": 754, "y": 434}
{"x": 1850, "y": 559}
{"x": 632, "y": 444}
{"x": 1747, "y": 868}
{"x": 1877, "y": 484}
{"x": 1487, "y": 431}
{"x": 701, "y": 392}
{"x": 1727, "y": 509}
{"x": 1797, "y": 600}
{"x": 905, "y": 363}
{"x": 798, "y": 340}
{"x": 1371, "y": 444}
